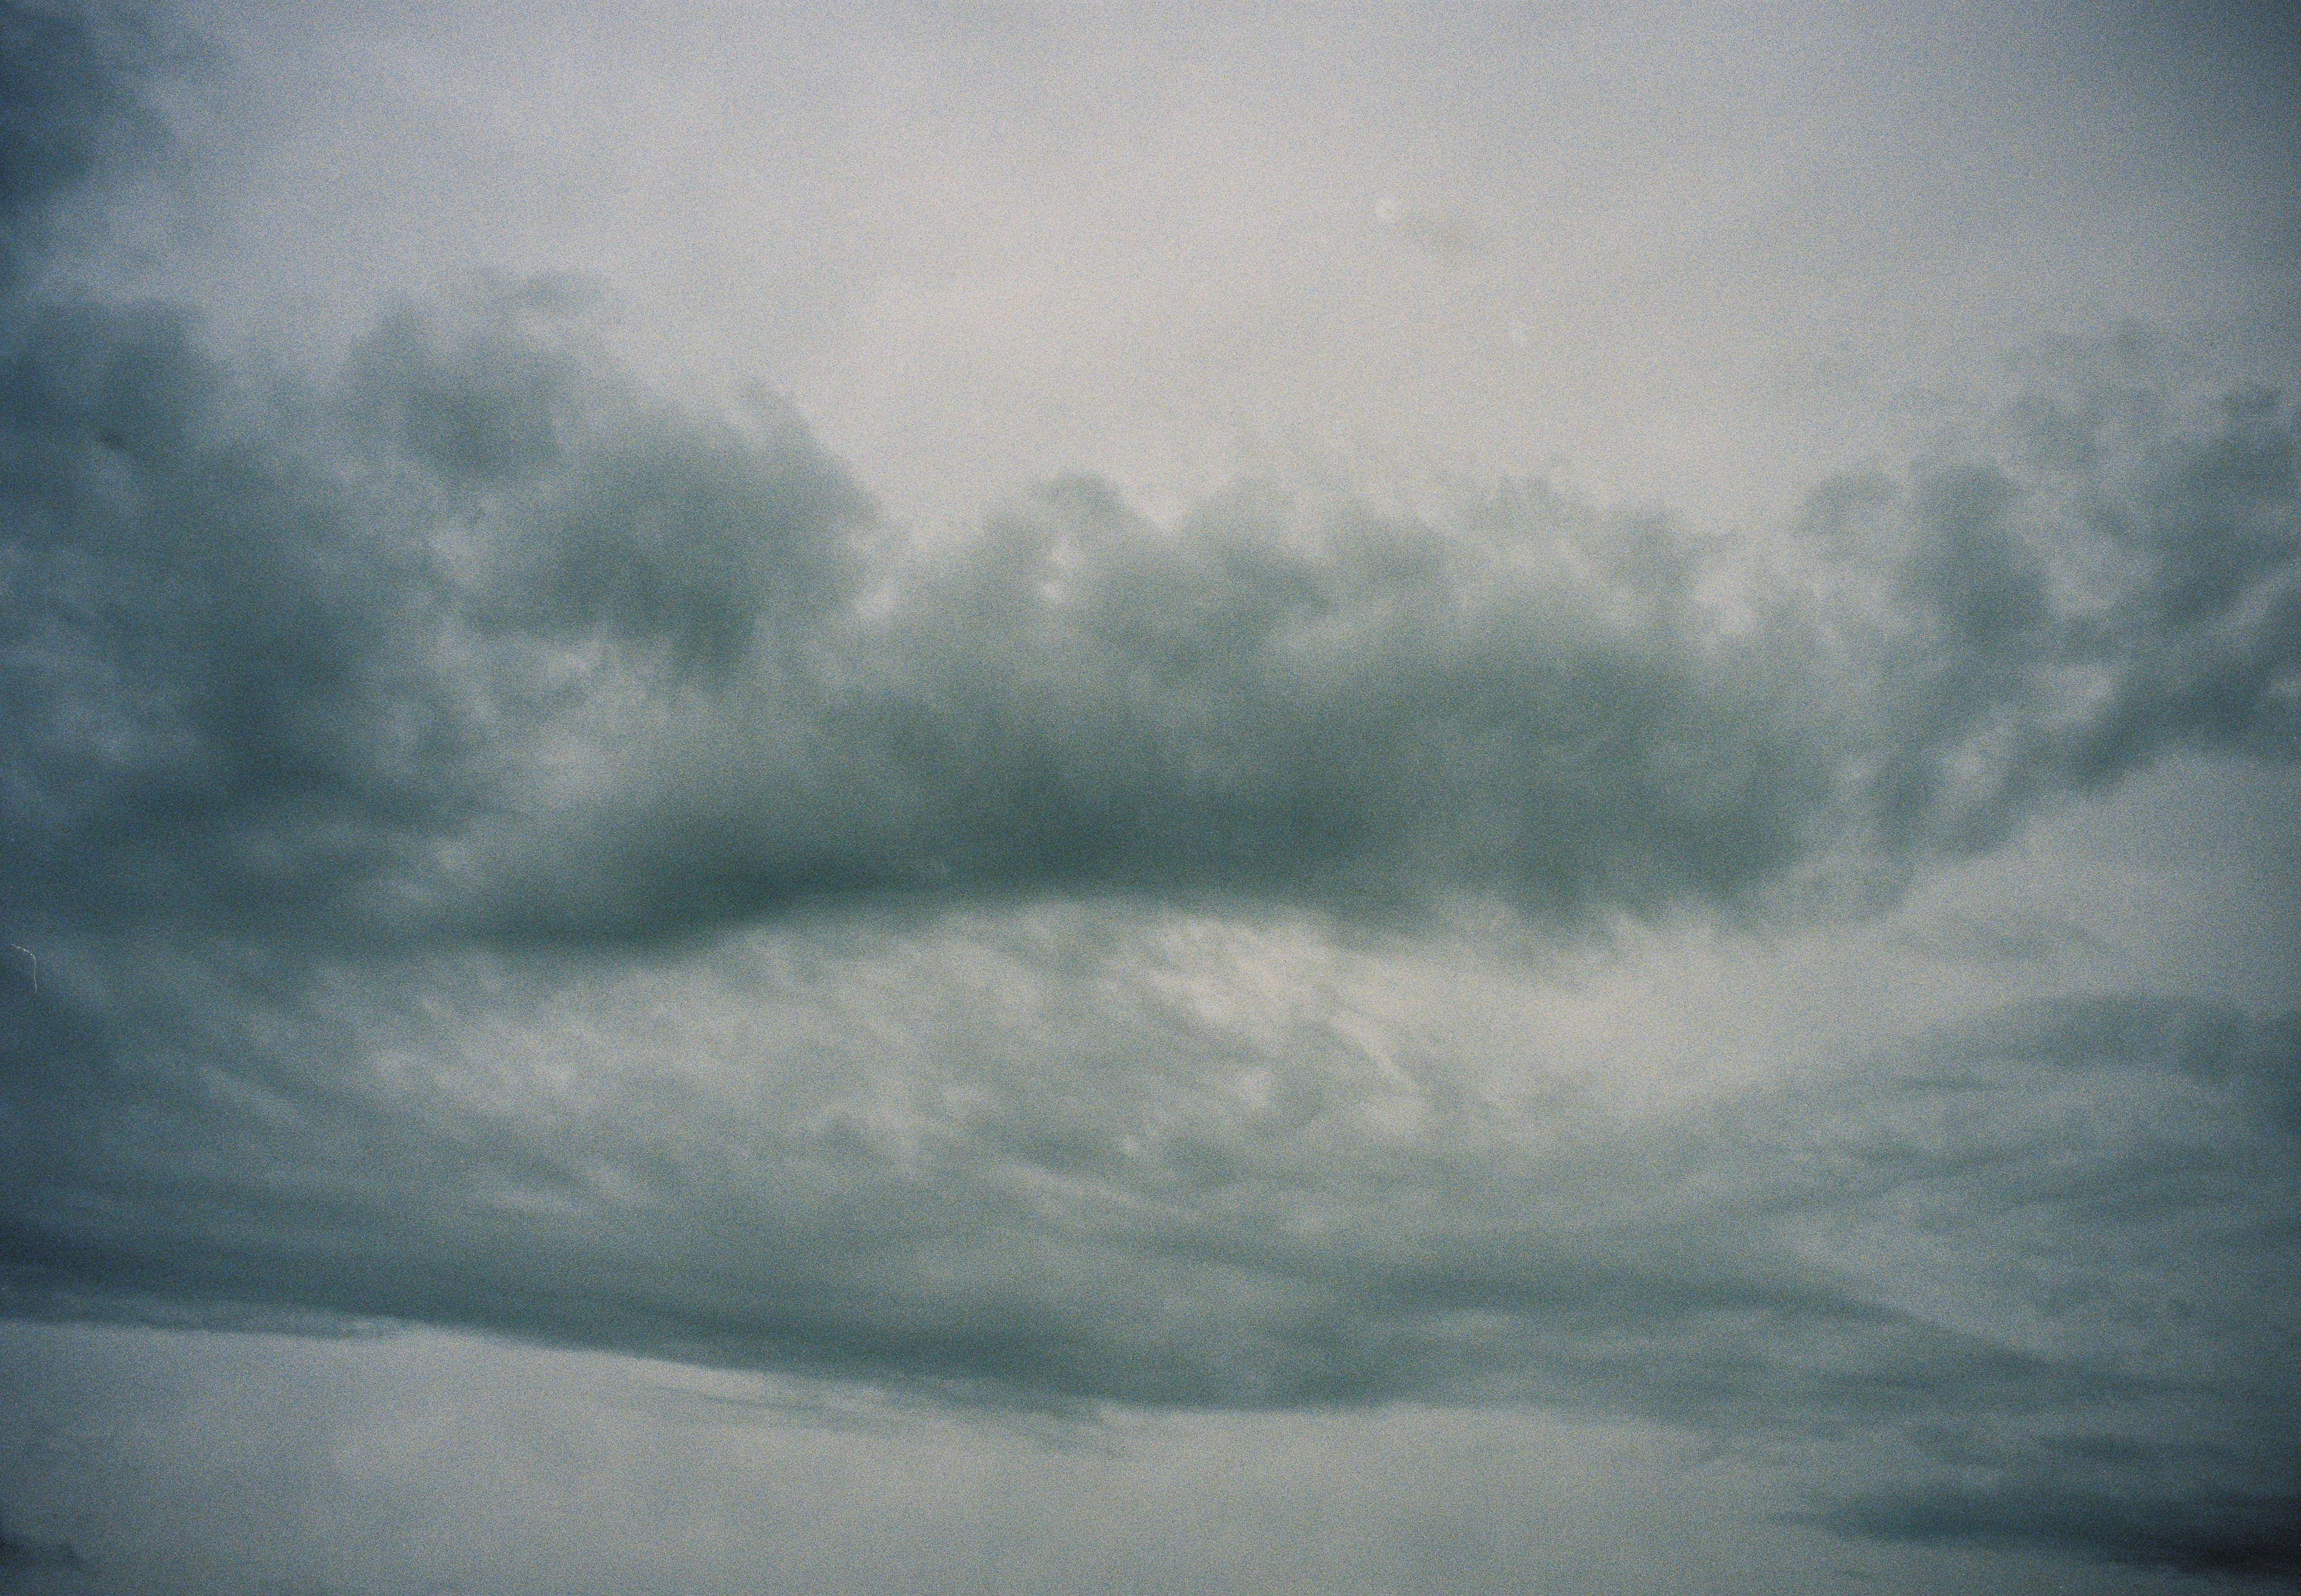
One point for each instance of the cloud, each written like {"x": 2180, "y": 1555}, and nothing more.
{"x": 71, "y": 83}
{"x": 477, "y": 644}
{"x": 476, "y": 638}
{"x": 16, "y": 1553}
{"x": 2246, "y": 1535}
{"x": 2015, "y": 937}
{"x": 1020, "y": 1162}
{"x": 509, "y": 849}
{"x": 1052, "y": 1161}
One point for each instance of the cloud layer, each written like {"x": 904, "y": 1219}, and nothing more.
{"x": 1031, "y": 1163}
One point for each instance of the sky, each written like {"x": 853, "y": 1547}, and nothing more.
{"x": 1106, "y": 799}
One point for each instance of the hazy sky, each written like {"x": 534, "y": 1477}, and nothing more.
{"x": 1102, "y": 799}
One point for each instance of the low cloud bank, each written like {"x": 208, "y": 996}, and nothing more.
{"x": 1052, "y": 1163}
{"x": 1058, "y": 1162}
{"x": 2248, "y": 1535}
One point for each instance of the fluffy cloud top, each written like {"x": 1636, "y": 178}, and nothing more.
{"x": 476, "y": 640}
{"x": 474, "y": 637}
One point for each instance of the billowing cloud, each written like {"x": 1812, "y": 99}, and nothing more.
{"x": 475, "y": 638}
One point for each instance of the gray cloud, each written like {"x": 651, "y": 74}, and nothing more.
{"x": 19, "y": 1553}
{"x": 511, "y": 851}
{"x": 476, "y": 638}
{"x": 1011, "y": 1163}
{"x": 1024, "y": 1166}
{"x": 476, "y": 644}
{"x": 74, "y": 113}
{"x": 2246, "y": 1535}
{"x": 480, "y": 641}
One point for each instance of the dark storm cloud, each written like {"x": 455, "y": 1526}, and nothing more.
{"x": 2248, "y": 1535}
{"x": 70, "y": 111}
{"x": 476, "y": 638}
{"x": 269, "y": 654}
{"x": 16, "y": 1553}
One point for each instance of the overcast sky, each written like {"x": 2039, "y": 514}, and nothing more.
{"x": 1115, "y": 799}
